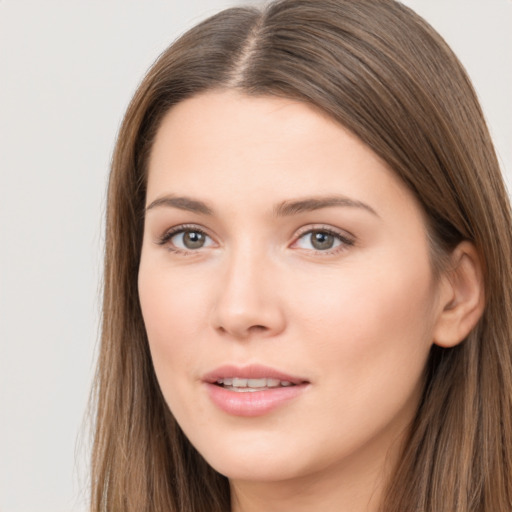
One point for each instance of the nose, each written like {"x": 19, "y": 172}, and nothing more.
{"x": 247, "y": 303}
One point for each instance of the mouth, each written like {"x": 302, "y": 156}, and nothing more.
{"x": 253, "y": 390}
{"x": 243, "y": 385}
{"x": 251, "y": 378}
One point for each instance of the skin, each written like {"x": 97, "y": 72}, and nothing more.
{"x": 356, "y": 321}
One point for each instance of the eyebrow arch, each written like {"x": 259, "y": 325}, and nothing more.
{"x": 284, "y": 209}
{"x": 182, "y": 203}
{"x": 316, "y": 203}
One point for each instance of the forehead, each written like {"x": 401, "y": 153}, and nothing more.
{"x": 226, "y": 146}
{"x": 219, "y": 122}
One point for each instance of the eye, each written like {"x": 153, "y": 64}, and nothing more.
{"x": 322, "y": 240}
{"x": 186, "y": 239}
{"x": 189, "y": 240}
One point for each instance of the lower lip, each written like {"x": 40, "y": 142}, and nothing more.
{"x": 252, "y": 403}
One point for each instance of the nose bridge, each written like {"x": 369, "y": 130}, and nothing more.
{"x": 247, "y": 300}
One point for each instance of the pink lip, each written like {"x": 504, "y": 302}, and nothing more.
{"x": 253, "y": 371}
{"x": 252, "y": 403}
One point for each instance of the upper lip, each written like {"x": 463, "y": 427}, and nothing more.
{"x": 253, "y": 371}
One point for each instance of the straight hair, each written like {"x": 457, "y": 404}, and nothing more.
{"x": 382, "y": 72}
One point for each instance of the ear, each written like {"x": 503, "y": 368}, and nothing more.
{"x": 462, "y": 296}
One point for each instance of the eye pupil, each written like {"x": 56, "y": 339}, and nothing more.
{"x": 193, "y": 239}
{"x": 321, "y": 240}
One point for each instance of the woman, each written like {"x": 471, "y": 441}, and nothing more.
{"x": 307, "y": 281}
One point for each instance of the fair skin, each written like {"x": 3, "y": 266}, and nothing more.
{"x": 335, "y": 290}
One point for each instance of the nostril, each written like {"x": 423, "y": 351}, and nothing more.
{"x": 258, "y": 328}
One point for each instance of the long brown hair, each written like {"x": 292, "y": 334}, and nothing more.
{"x": 385, "y": 74}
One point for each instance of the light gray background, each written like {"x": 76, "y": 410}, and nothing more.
{"x": 67, "y": 72}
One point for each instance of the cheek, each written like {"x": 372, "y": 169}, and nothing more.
{"x": 173, "y": 313}
{"x": 173, "y": 325}
{"x": 360, "y": 298}
{"x": 372, "y": 330}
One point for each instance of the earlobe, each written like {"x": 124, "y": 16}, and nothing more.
{"x": 463, "y": 297}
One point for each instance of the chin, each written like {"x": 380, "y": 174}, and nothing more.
{"x": 258, "y": 461}
{"x": 257, "y": 470}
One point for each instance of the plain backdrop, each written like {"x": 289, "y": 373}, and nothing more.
{"x": 67, "y": 72}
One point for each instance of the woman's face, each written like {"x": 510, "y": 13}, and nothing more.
{"x": 286, "y": 289}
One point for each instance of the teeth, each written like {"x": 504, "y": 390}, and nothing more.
{"x": 240, "y": 384}
{"x": 257, "y": 383}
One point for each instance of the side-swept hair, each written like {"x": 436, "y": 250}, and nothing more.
{"x": 382, "y": 72}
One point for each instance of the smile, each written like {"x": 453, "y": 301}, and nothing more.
{"x": 242, "y": 385}
{"x": 252, "y": 390}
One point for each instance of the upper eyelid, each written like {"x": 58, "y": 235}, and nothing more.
{"x": 343, "y": 233}
{"x": 186, "y": 227}
{"x": 180, "y": 228}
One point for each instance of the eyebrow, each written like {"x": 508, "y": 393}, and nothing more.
{"x": 316, "y": 203}
{"x": 284, "y": 209}
{"x": 182, "y": 203}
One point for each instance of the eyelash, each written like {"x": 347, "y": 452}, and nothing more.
{"x": 345, "y": 241}
{"x": 168, "y": 235}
